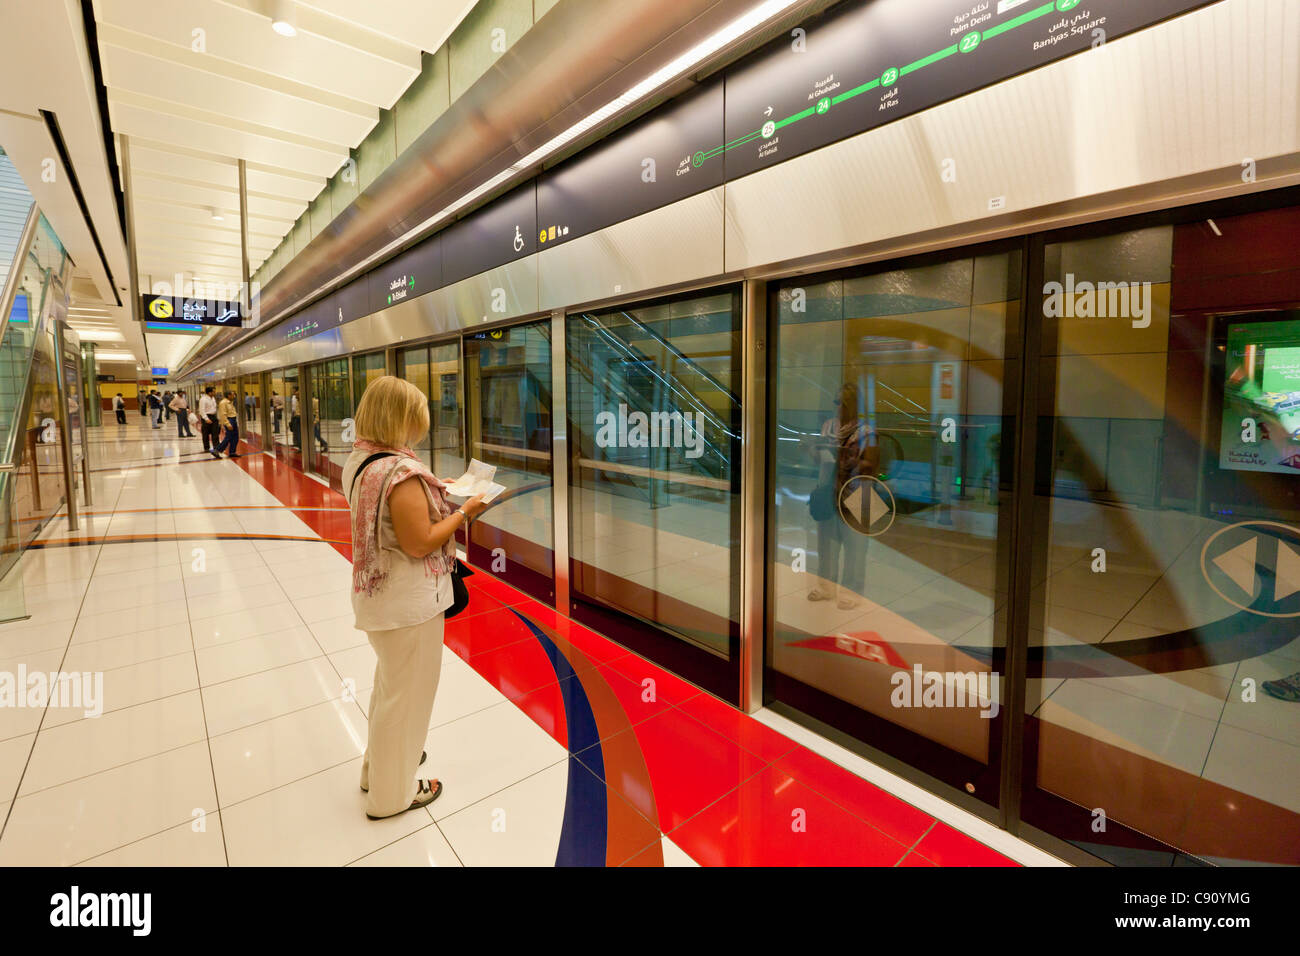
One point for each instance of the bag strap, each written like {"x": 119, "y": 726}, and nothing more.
{"x": 369, "y": 461}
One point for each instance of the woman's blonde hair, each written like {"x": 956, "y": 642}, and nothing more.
{"x": 392, "y": 412}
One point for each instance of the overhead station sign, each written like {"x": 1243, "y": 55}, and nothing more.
{"x": 875, "y": 63}
{"x": 412, "y": 274}
{"x": 653, "y": 163}
{"x": 187, "y": 310}
{"x": 500, "y": 232}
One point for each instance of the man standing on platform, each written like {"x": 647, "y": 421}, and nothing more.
{"x": 229, "y": 420}
{"x": 182, "y": 409}
{"x": 208, "y": 425}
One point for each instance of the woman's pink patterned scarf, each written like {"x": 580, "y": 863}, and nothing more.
{"x": 369, "y": 560}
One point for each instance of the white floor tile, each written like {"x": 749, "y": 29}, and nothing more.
{"x": 425, "y": 847}
{"x": 87, "y": 817}
{"x": 85, "y": 747}
{"x": 517, "y": 826}
{"x": 284, "y": 827}
{"x": 238, "y": 703}
{"x": 335, "y": 634}
{"x": 135, "y": 684}
{"x": 322, "y": 607}
{"x": 234, "y": 659}
{"x": 485, "y": 752}
{"x": 96, "y": 627}
{"x": 270, "y": 754}
{"x": 240, "y": 625}
{"x": 134, "y": 648}
{"x": 240, "y": 599}
{"x": 13, "y": 759}
{"x": 197, "y": 843}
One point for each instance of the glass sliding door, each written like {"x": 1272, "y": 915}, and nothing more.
{"x": 1163, "y": 702}
{"x": 447, "y": 430}
{"x": 251, "y": 397}
{"x": 889, "y": 533}
{"x": 331, "y": 403}
{"x": 288, "y": 441}
{"x": 508, "y": 405}
{"x": 413, "y": 365}
{"x": 279, "y": 409}
{"x": 365, "y": 369}
{"x": 435, "y": 371}
{"x": 654, "y": 481}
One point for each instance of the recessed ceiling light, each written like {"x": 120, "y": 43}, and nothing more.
{"x": 283, "y": 16}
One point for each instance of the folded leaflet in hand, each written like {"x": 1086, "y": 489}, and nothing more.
{"x": 476, "y": 481}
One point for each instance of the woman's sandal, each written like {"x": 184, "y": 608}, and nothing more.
{"x": 424, "y": 755}
{"x": 426, "y": 791}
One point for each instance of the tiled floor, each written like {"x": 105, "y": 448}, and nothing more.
{"x": 213, "y": 599}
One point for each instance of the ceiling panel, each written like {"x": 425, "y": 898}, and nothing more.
{"x": 199, "y": 85}
{"x": 193, "y": 214}
{"x": 194, "y": 193}
{"x": 183, "y": 163}
{"x": 368, "y": 68}
{"x": 210, "y": 133}
{"x": 424, "y": 23}
{"x": 187, "y": 87}
{"x": 182, "y": 245}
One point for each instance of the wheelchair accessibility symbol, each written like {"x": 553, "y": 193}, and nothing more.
{"x": 1255, "y": 566}
{"x": 867, "y": 505}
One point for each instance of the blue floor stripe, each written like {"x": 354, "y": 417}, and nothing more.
{"x": 584, "y": 835}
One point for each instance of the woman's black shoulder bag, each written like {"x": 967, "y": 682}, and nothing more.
{"x": 459, "y": 571}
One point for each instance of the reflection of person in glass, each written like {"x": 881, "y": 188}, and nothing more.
{"x": 845, "y": 449}
{"x": 321, "y": 445}
{"x": 295, "y": 419}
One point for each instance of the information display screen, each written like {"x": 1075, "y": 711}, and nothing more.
{"x": 1261, "y": 400}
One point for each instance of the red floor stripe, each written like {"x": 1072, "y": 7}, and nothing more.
{"x": 869, "y": 822}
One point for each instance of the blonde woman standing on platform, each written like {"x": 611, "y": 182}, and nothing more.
{"x": 403, "y": 552}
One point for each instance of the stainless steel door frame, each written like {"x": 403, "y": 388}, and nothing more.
{"x": 753, "y": 493}
{"x": 560, "y": 462}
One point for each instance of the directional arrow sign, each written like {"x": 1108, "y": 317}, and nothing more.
{"x": 867, "y": 505}
{"x": 1239, "y": 565}
{"x": 1287, "y": 573}
{"x": 1247, "y": 555}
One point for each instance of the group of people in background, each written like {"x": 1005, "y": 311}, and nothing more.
{"x": 217, "y": 420}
